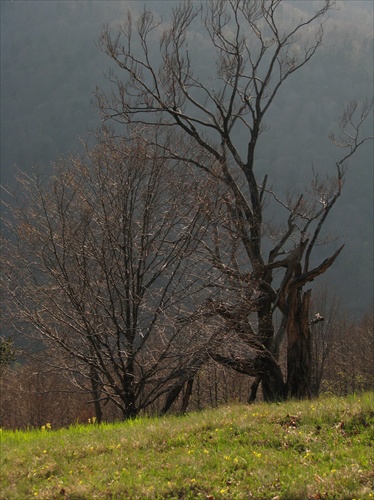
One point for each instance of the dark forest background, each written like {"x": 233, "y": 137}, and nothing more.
{"x": 50, "y": 66}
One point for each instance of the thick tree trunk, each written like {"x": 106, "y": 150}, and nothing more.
{"x": 273, "y": 387}
{"x": 299, "y": 362}
{"x": 272, "y": 384}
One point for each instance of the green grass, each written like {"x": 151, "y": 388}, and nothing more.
{"x": 295, "y": 450}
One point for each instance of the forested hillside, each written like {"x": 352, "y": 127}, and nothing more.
{"x": 187, "y": 205}
{"x": 51, "y": 66}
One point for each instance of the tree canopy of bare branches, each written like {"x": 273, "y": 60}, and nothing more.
{"x": 100, "y": 263}
{"x": 154, "y": 252}
{"x": 219, "y": 111}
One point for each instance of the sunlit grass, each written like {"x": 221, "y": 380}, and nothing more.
{"x": 313, "y": 449}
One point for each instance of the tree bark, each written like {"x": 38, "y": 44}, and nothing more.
{"x": 273, "y": 387}
{"x": 187, "y": 395}
{"x": 299, "y": 359}
{"x": 272, "y": 382}
{"x": 254, "y": 388}
{"x": 129, "y": 398}
{"x": 95, "y": 383}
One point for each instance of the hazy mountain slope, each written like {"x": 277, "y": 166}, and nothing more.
{"x": 50, "y": 66}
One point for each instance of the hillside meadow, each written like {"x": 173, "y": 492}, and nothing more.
{"x": 317, "y": 449}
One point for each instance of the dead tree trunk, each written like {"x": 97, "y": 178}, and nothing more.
{"x": 272, "y": 383}
{"x": 299, "y": 358}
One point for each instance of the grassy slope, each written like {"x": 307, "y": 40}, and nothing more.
{"x": 313, "y": 449}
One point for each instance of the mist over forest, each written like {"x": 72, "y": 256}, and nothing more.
{"x": 51, "y": 65}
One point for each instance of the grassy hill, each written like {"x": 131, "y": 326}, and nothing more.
{"x": 296, "y": 450}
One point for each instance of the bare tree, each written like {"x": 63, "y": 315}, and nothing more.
{"x": 217, "y": 122}
{"x": 100, "y": 261}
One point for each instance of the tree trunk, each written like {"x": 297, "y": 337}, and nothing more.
{"x": 273, "y": 387}
{"x": 186, "y": 374}
{"x": 272, "y": 384}
{"x": 129, "y": 398}
{"x": 254, "y": 387}
{"x": 187, "y": 395}
{"x": 95, "y": 383}
{"x": 171, "y": 397}
{"x": 299, "y": 362}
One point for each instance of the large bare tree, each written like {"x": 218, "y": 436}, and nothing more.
{"x": 216, "y": 112}
{"x": 99, "y": 263}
